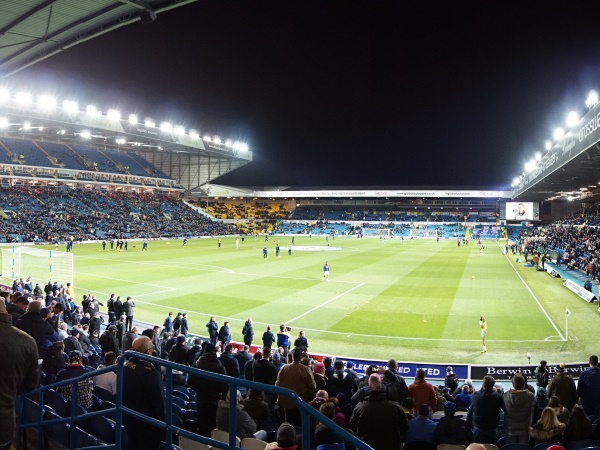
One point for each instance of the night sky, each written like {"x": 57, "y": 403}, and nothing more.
{"x": 344, "y": 93}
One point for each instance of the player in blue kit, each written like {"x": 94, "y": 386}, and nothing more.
{"x": 326, "y": 271}
{"x": 265, "y": 253}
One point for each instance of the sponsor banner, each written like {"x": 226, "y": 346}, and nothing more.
{"x": 409, "y": 370}
{"x": 581, "y": 137}
{"x": 553, "y": 273}
{"x": 580, "y": 291}
{"x": 383, "y": 193}
{"x": 504, "y": 372}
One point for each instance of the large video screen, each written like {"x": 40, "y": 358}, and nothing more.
{"x": 521, "y": 212}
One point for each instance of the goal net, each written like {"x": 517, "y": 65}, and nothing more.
{"x": 41, "y": 265}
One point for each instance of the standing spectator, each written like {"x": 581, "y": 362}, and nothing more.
{"x": 224, "y": 335}
{"x": 248, "y": 332}
{"x": 229, "y": 362}
{"x": 179, "y": 351}
{"x": 542, "y": 375}
{"x": 184, "y": 328}
{"x": 110, "y": 305}
{"x": 192, "y": 352}
{"x": 484, "y": 414}
{"x": 284, "y": 338}
{"x": 95, "y": 324}
{"x": 118, "y": 305}
{"x": 301, "y": 342}
{"x": 298, "y": 378}
{"x": 463, "y": 399}
{"x": 378, "y": 421}
{"x": 213, "y": 331}
{"x": 518, "y": 411}
{"x": 143, "y": 392}
{"x": 588, "y": 388}
{"x": 242, "y": 357}
{"x": 393, "y": 383}
{"x": 268, "y": 337}
{"x": 177, "y": 323}
{"x": 20, "y": 372}
{"x": 128, "y": 339}
{"x": 168, "y": 324}
{"x": 72, "y": 342}
{"x": 55, "y": 360}
{"x": 451, "y": 380}
{"x": 563, "y": 387}
{"x": 128, "y": 309}
{"x": 340, "y": 382}
{"x": 108, "y": 341}
{"x": 35, "y": 326}
{"x": 156, "y": 339}
{"x": 422, "y": 391}
{"x": 17, "y": 308}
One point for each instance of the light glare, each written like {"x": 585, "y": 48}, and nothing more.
{"x": 559, "y": 133}
{"x": 91, "y": 110}
{"x": 113, "y": 114}
{"x": 133, "y": 119}
{"x": 46, "y": 102}
{"x": 166, "y": 127}
{"x": 548, "y": 145}
{"x": 23, "y": 98}
{"x": 572, "y": 119}
{"x": 592, "y": 99}
{"x": 4, "y": 95}
{"x": 70, "y": 106}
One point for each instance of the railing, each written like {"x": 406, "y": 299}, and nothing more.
{"x": 306, "y": 411}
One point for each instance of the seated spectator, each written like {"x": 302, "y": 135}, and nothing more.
{"x": 84, "y": 387}
{"x": 319, "y": 375}
{"x": 452, "y": 429}
{"x": 54, "y": 361}
{"x": 548, "y": 428}
{"x": 246, "y": 427}
{"x": 408, "y": 406}
{"x": 562, "y": 413}
{"x": 541, "y": 401}
{"x": 285, "y": 438}
{"x": 255, "y": 405}
{"x": 323, "y": 434}
{"x": 108, "y": 380}
{"x": 179, "y": 351}
{"x": 579, "y": 426}
{"x": 421, "y": 430}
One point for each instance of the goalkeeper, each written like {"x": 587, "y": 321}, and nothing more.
{"x": 483, "y": 327}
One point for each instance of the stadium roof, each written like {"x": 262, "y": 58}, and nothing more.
{"x": 33, "y": 30}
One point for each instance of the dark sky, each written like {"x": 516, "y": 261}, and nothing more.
{"x": 332, "y": 93}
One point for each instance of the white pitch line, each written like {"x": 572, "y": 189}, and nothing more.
{"x": 326, "y": 303}
{"x": 127, "y": 281}
{"x": 532, "y": 294}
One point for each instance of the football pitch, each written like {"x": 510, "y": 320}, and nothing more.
{"x": 409, "y": 300}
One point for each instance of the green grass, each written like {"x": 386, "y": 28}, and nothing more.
{"x": 413, "y": 301}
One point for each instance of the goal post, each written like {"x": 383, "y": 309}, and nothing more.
{"x": 39, "y": 264}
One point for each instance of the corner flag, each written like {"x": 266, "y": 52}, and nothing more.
{"x": 567, "y": 312}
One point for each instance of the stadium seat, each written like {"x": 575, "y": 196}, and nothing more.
{"x": 83, "y": 439}
{"x": 451, "y": 447}
{"x": 254, "y": 444}
{"x": 490, "y": 447}
{"x": 322, "y": 446}
{"x": 179, "y": 402}
{"x": 57, "y": 402}
{"x": 103, "y": 394}
{"x": 181, "y": 395}
{"x": 103, "y": 429}
{"x": 580, "y": 444}
{"x": 189, "y": 444}
{"x": 57, "y": 432}
{"x": 515, "y": 447}
{"x": 545, "y": 445}
{"x": 223, "y": 436}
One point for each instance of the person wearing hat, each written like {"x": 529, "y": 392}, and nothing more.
{"x": 76, "y": 369}
{"x": 350, "y": 370}
{"x": 208, "y": 392}
{"x": 453, "y": 429}
{"x": 72, "y": 342}
{"x": 285, "y": 439}
{"x": 108, "y": 341}
{"x": 563, "y": 387}
{"x": 518, "y": 411}
{"x": 143, "y": 392}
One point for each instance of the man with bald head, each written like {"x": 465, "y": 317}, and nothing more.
{"x": 35, "y": 326}
{"x": 142, "y": 392}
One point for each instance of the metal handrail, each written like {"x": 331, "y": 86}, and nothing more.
{"x": 306, "y": 411}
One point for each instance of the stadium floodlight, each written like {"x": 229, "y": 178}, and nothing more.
{"x": 179, "y": 130}
{"x": 529, "y": 166}
{"x": 194, "y": 134}
{"x": 207, "y": 138}
{"x": 23, "y": 98}
{"x": 113, "y": 114}
{"x": 559, "y": 133}
{"x": 592, "y": 99}
{"x": 120, "y": 141}
{"x": 548, "y": 145}
{"x": 70, "y": 107}
{"x": 216, "y": 139}
{"x": 41, "y": 128}
{"x": 243, "y": 147}
{"x": 516, "y": 180}
{"x": 4, "y": 95}
{"x": 228, "y": 143}
{"x": 3, "y": 122}
{"x": 572, "y": 119}
{"x": 85, "y": 135}
{"x": 26, "y": 125}
{"x": 166, "y": 127}
{"x": 133, "y": 119}
{"x": 47, "y": 103}
{"x": 91, "y": 110}
{"x": 538, "y": 156}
